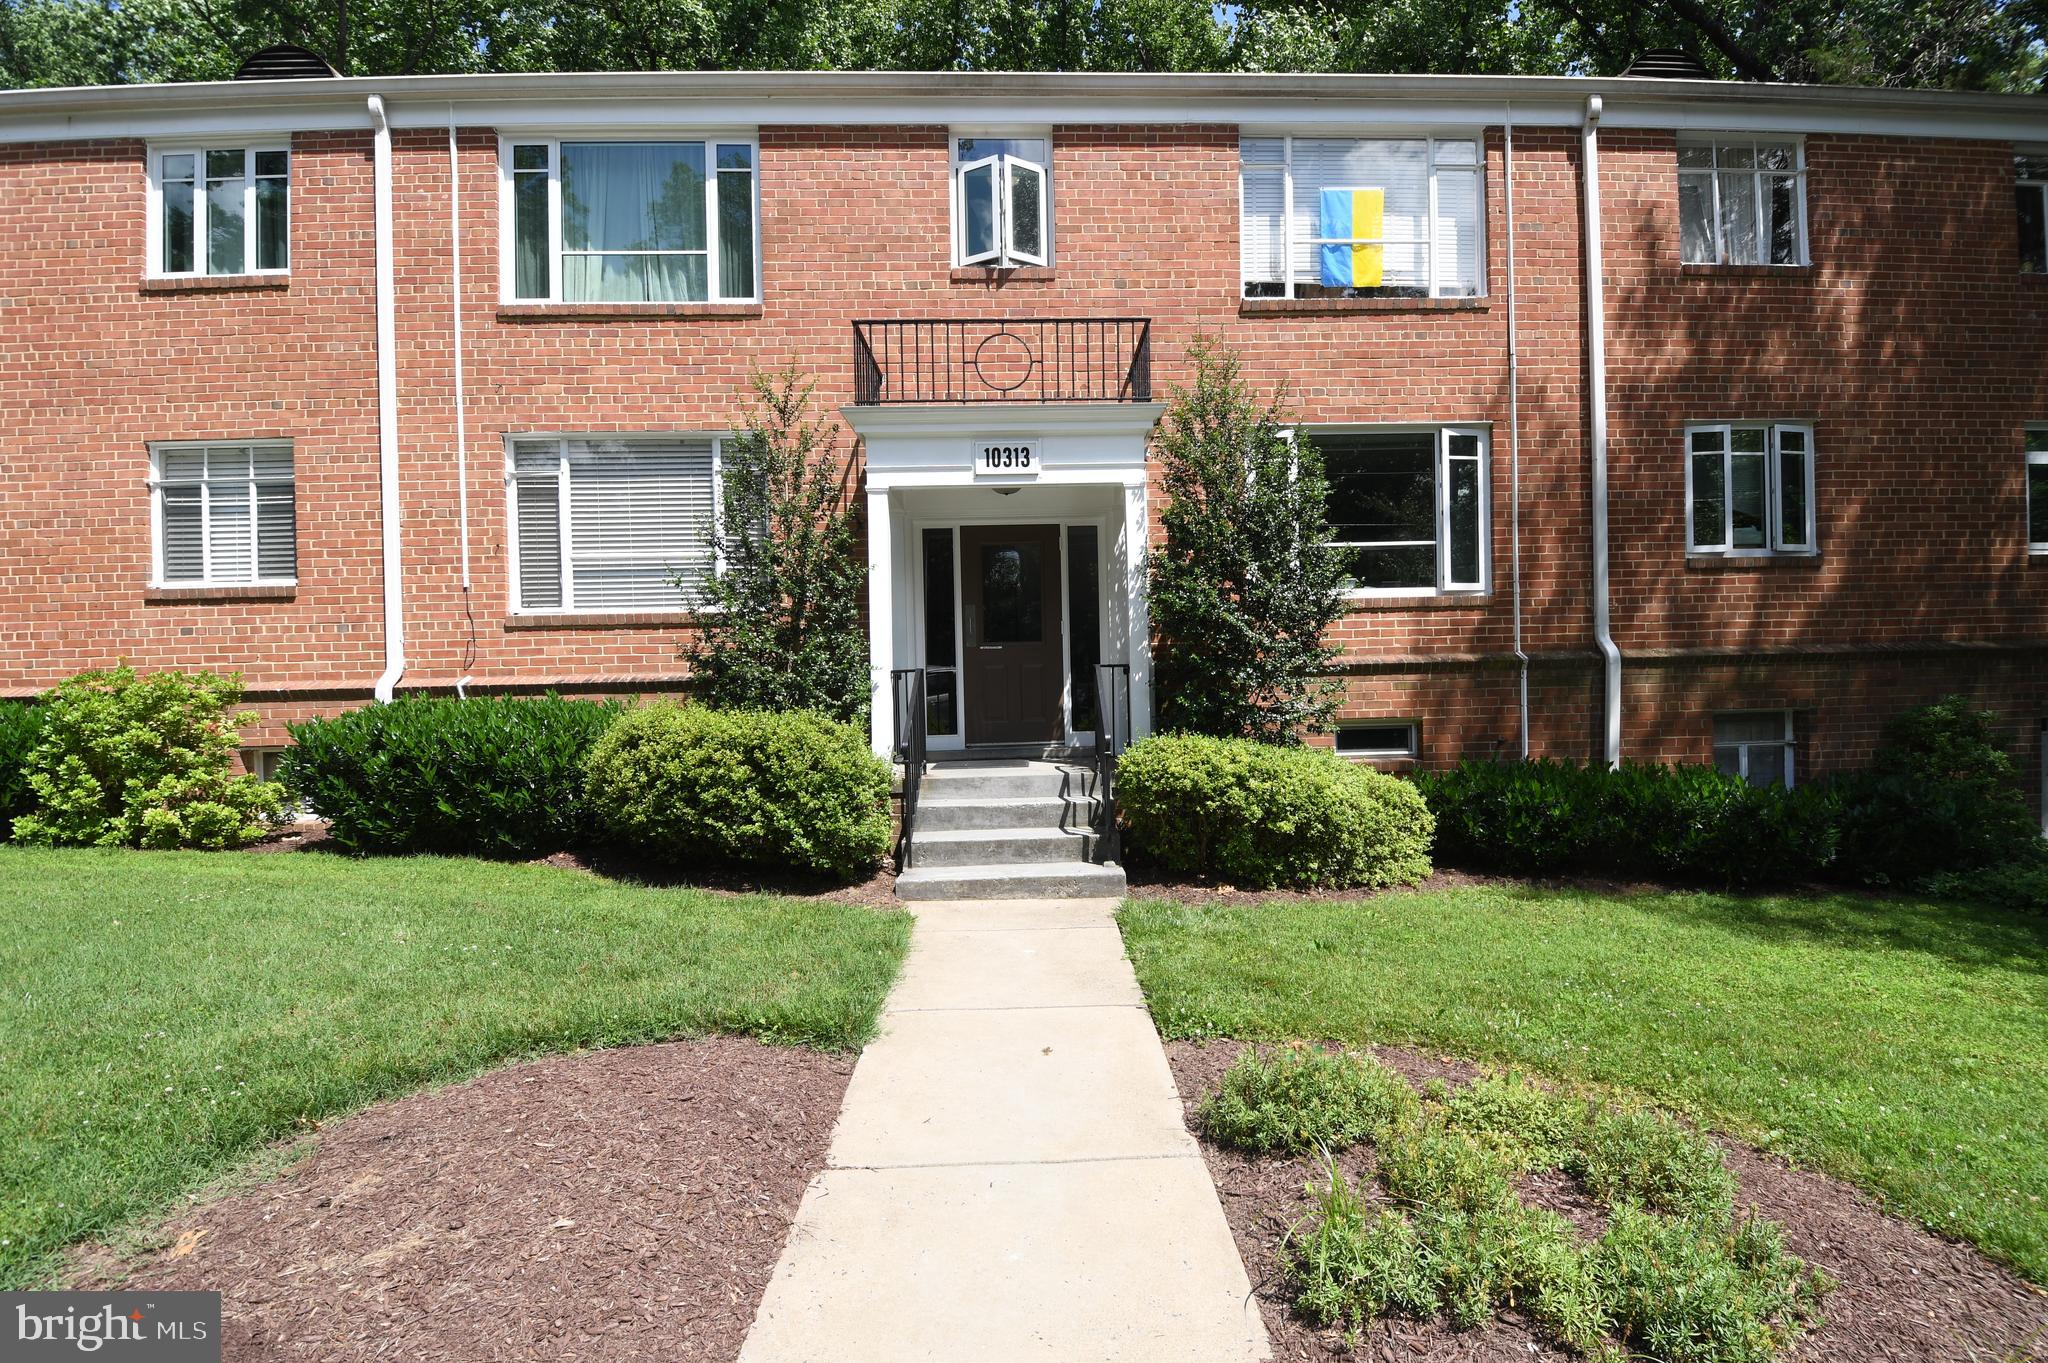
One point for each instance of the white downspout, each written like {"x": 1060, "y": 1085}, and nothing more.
{"x": 1596, "y": 385}
{"x": 387, "y": 410}
{"x": 461, "y": 406}
{"x": 1515, "y": 429}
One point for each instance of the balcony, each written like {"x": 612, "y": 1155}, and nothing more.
{"x": 1036, "y": 359}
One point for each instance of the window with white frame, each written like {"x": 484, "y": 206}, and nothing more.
{"x": 224, "y": 514}
{"x": 1756, "y": 746}
{"x": 1378, "y": 739}
{"x": 220, "y": 210}
{"x": 1749, "y": 488}
{"x": 1361, "y": 217}
{"x": 1408, "y": 509}
{"x": 611, "y": 523}
{"x": 2037, "y": 489}
{"x": 2030, "y": 188}
{"x": 1002, "y": 201}
{"x": 630, "y": 222}
{"x": 1741, "y": 201}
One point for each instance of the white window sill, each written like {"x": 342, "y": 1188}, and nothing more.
{"x": 220, "y": 591}
{"x": 586, "y": 619}
{"x": 542, "y": 310}
{"x": 1704, "y": 267}
{"x": 1272, "y": 307}
{"x": 1415, "y": 600}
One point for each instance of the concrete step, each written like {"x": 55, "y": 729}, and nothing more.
{"x": 1003, "y": 780}
{"x": 999, "y": 846}
{"x": 1041, "y": 880}
{"x": 942, "y": 815}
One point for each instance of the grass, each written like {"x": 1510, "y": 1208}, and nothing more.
{"x": 1899, "y": 1044}
{"x": 166, "y": 1015}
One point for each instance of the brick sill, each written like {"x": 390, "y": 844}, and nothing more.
{"x": 625, "y": 312}
{"x": 216, "y": 283}
{"x": 1289, "y": 307}
{"x": 1443, "y": 601}
{"x": 1000, "y": 275}
{"x": 172, "y": 595}
{"x": 601, "y": 620}
{"x": 1749, "y": 563}
{"x": 1746, "y": 271}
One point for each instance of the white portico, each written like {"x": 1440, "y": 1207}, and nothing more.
{"x": 1006, "y": 548}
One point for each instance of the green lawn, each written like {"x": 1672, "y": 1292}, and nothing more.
{"x": 165, "y": 1015}
{"x": 1900, "y": 1045}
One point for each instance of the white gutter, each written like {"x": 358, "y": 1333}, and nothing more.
{"x": 1596, "y": 391}
{"x": 1515, "y": 430}
{"x": 387, "y": 410}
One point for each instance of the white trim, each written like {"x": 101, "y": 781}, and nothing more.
{"x": 711, "y": 141}
{"x": 1758, "y": 174}
{"x": 1443, "y": 432}
{"x": 1774, "y": 545}
{"x": 153, "y": 215}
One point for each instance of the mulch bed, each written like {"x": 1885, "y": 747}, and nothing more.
{"x": 1904, "y": 1294}
{"x": 614, "y": 1205}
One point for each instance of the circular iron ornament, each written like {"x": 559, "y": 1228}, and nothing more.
{"x": 1018, "y": 352}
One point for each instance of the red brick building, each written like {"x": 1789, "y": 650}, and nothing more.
{"x": 369, "y": 386}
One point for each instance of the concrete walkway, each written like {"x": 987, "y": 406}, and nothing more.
{"x": 1010, "y": 1179}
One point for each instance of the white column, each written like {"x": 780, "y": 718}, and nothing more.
{"x": 881, "y": 623}
{"x": 1137, "y": 614}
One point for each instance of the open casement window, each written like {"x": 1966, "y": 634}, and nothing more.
{"x": 1741, "y": 201}
{"x": 1002, "y": 201}
{"x": 629, "y": 222}
{"x": 1749, "y": 489}
{"x": 2037, "y": 489}
{"x": 1408, "y": 509}
{"x": 1756, "y": 746}
{"x": 220, "y": 210}
{"x": 2030, "y": 189}
{"x": 1347, "y": 217}
{"x": 619, "y": 523}
{"x": 225, "y": 515}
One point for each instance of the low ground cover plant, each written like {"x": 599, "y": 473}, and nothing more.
{"x": 497, "y": 776}
{"x": 694, "y": 786}
{"x": 1260, "y": 815}
{"x": 1676, "y": 1274}
{"x": 21, "y": 724}
{"x": 126, "y": 760}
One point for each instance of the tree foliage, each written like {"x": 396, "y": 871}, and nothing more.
{"x": 1244, "y": 590}
{"x": 783, "y": 628}
{"x": 1958, "y": 44}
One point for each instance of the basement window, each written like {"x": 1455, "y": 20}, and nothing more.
{"x": 1382, "y": 740}
{"x": 219, "y": 210}
{"x": 1756, "y": 746}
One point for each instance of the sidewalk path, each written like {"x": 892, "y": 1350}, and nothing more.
{"x": 1011, "y": 1180}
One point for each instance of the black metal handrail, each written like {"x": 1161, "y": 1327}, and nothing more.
{"x": 1027, "y": 359}
{"x": 907, "y": 702}
{"x": 1112, "y": 736}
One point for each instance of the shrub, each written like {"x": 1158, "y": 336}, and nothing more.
{"x": 1687, "y": 1294}
{"x": 1261, "y": 816}
{"x": 1942, "y": 795}
{"x": 1633, "y": 1157}
{"x": 1525, "y": 818}
{"x": 1535, "y": 1129}
{"x": 491, "y": 776}
{"x": 21, "y": 724}
{"x": 1301, "y": 1099}
{"x": 695, "y": 786}
{"x": 2020, "y": 885}
{"x": 132, "y": 761}
{"x": 1357, "y": 1263}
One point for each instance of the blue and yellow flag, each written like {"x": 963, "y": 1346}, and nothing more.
{"x": 1350, "y": 215}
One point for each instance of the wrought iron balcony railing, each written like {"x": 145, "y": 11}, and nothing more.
{"x": 1035, "y": 359}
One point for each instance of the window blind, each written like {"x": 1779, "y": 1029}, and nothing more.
{"x": 613, "y": 524}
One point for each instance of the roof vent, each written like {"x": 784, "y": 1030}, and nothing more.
{"x": 283, "y": 61}
{"x": 1669, "y": 63}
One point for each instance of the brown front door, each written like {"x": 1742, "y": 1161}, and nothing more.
{"x": 1010, "y": 596}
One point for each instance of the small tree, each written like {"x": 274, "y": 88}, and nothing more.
{"x": 1245, "y": 588}
{"x": 783, "y": 629}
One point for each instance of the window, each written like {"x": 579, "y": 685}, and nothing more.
{"x": 630, "y": 222}
{"x": 1755, "y": 746}
{"x": 220, "y": 210}
{"x": 2030, "y": 187}
{"x": 2037, "y": 489}
{"x": 611, "y": 523}
{"x": 1408, "y": 508}
{"x": 224, "y": 515}
{"x": 1749, "y": 488}
{"x": 1742, "y": 201}
{"x": 1347, "y": 217}
{"x": 1378, "y": 740}
{"x": 1002, "y": 201}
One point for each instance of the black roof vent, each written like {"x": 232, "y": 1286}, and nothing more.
{"x": 1669, "y": 63}
{"x": 283, "y": 61}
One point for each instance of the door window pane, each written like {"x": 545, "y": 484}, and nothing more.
{"x": 1010, "y": 594}
{"x": 1084, "y": 622}
{"x": 939, "y": 633}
